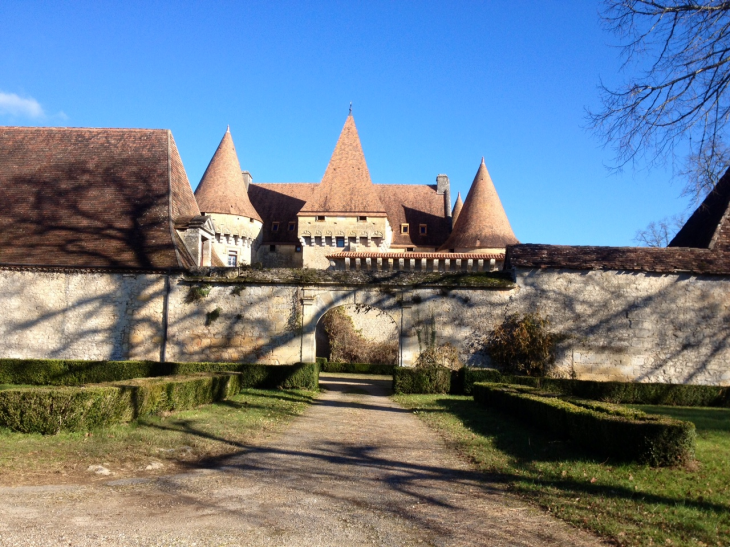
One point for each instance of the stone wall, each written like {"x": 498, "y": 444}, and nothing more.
{"x": 284, "y": 256}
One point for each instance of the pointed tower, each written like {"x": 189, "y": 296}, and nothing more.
{"x": 344, "y": 211}
{"x": 457, "y": 209}
{"x": 482, "y": 224}
{"x": 222, "y": 195}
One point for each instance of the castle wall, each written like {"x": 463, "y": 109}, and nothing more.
{"x": 618, "y": 325}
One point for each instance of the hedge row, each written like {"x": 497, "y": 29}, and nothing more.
{"x": 421, "y": 380}
{"x": 359, "y": 368}
{"x": 604, "y": 429}
{"x": 74, "y": 373}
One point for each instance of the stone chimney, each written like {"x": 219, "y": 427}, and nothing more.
{"x": 247, "y": 179}
{"x": 443, "y": 188}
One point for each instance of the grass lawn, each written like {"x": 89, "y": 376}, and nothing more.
{"x": 630, "y": 503}
{"x": 178, "y": 441}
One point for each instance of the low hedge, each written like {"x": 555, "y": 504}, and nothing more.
{"x": 602, "y": 428}
{"x": 421, "y": 380}
{"x": 74, "y": 373}
{"x": 49, "y": 410}
{"x": 358, "y": 368}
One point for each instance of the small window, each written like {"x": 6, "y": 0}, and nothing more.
{"x": 291, "y": 226}
{"x": 423, "y": 229}
{"x": 272, "y": 248}
{"x": 340, "y": 241}
{"x": 404, "y": 228}
{"x": 298, "y": 249}
{"x": 250, "y": 220}
{"x": 274, "y": 226}
{"x": 232, "y": 259}
{"x": 362, "y": 219}
{"x": 320, "y": 219}
{"x": 410, "y": 249}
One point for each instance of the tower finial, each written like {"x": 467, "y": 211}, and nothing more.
{"x": 228, "y": 128}
{"x": 350, "y": 109}
{"x": 482, "y": 159}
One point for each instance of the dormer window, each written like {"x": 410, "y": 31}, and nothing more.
{"x": 320, "y": 218}
{"x": 292, "y": 226}
{"x": 423, "y": 229}
{"x": 274, "y": 226}
{"x": 404, "y": 228}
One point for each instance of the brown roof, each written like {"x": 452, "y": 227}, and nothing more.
{"x": 346, "y": 186}
{"x": 482, "y": 221}
{"x": 417, "y": 255}
{"x": 415, "y": 204}
{"x": 91, "y": 198}
{"x": 646, "y": 259}
{"x": 709, "y": 225}
{"x": 280, "y": 202}
{"x": 222, "y": 188}
{"x": 457, "y": 209}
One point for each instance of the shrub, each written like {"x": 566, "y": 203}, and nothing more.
{"x": 445, "y": 355}
{"x": 348, "y": 346}
{"x": 359, "y": 368}
{"x": 421, "y": 380}
{"x": 196, "y": 292}
{"x": 605, "y": 429}
{"x": 523, "y": 345}
{"x": 468, "y": 376}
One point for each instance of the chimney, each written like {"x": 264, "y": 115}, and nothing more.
{"x": 443, "y": 188}
{"x": 247, "y": 179}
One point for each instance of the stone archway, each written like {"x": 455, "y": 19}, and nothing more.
{"x": 362, "y": 334}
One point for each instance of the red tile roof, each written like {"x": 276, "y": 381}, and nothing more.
{"x": 482, "y": 221}
{"x": 346, "y": 187}
{"x": 458, "y": 206}
{"x": 709, "y": 225}
{"x": 91, "y": 198}
{"x": 418, "y": 256}
{"x": 222, "y": 188}
{"x": 280, "y": 202}
{"x": 415, "y": 204}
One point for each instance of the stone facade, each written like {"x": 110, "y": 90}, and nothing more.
{"x": 620, "y": 325}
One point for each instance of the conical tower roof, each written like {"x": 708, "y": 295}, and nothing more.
{"x": 457, "y": 209}
{"x": 482, "y": 222}
{"x": 346, "y": 187}
{"x": 222, "y": 188}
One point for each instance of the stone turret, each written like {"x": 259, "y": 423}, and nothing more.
{"x": 222, "y": 195}
{"x": 482, "y": 225}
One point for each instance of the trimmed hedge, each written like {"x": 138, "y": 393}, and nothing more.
{"x": 358, "y": 368}
{"x": 74, "y": 373}
{"x": 469, "y": 376}
{"x": 602, "y": 428}
{"x": 48, "y": 410}
{"x": 421, "y": 380}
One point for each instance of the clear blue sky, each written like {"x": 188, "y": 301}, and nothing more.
{"x": 435, "y": 87}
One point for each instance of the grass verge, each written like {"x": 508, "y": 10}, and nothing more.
{"x": 178, "y": 441}
{"x": 633, "y": 504}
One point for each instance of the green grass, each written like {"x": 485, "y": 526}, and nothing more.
{"x": 178, "y": 440}
{"x": 633, "y": 504}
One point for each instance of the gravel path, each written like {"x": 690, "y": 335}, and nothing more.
{"x": 355, "y": 469}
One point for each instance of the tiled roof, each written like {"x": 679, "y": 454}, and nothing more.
{"x": 709, "y": 225}
{"x": 280, "y": 202}
{"x": 645, "y": 259}
{"x": 458, "y": 206}
{"x": 482, "y": 221}
{"x": 346, "y": 186}
{"x": 91, "y": 198}
{"x": 415, "y": 204}
{"x": 222, "y": 188}
{"x": 418, "y": 256}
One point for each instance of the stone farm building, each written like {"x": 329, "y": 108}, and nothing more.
{"x": 102, "y": 240}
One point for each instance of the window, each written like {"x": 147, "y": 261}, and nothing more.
{"x": 298, "y": 249}
{"x": 250, "y": 220}
{"x": 272, "y": 248}
{"x": 232, "y": 259}
{"x": 404, "y": 228}
{"x": 410, "y": 249}
{"x": 274, "y": 226}
{"x": 340, "y": 241}
{"x": 362, "y": 219}
{"x": 423, "y": 229}
{"x": 291, "y": 226}
{"x": 320, "y": 219}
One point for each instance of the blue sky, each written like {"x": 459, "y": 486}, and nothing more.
{"x": 435, "y": 86}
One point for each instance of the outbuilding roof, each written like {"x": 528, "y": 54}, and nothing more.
{"x": 280, "y": 202}
{"x": 346, "y": 187}
{"x": 482, "y": 222}
{"x": 91, "y": 198}
{"x": 222, "y": 188}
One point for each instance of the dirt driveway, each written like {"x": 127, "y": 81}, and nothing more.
{"x": 355, "y": 469}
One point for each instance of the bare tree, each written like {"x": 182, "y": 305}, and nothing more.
{"x": 659, "y": 233}
{"x": 679, "y": 54}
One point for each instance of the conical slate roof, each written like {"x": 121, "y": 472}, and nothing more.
{"x": 346, "y": 186}
{"x": 222, "y": 188}
{"x": 457, "y": 209}
{"x": 482, "y": 222}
